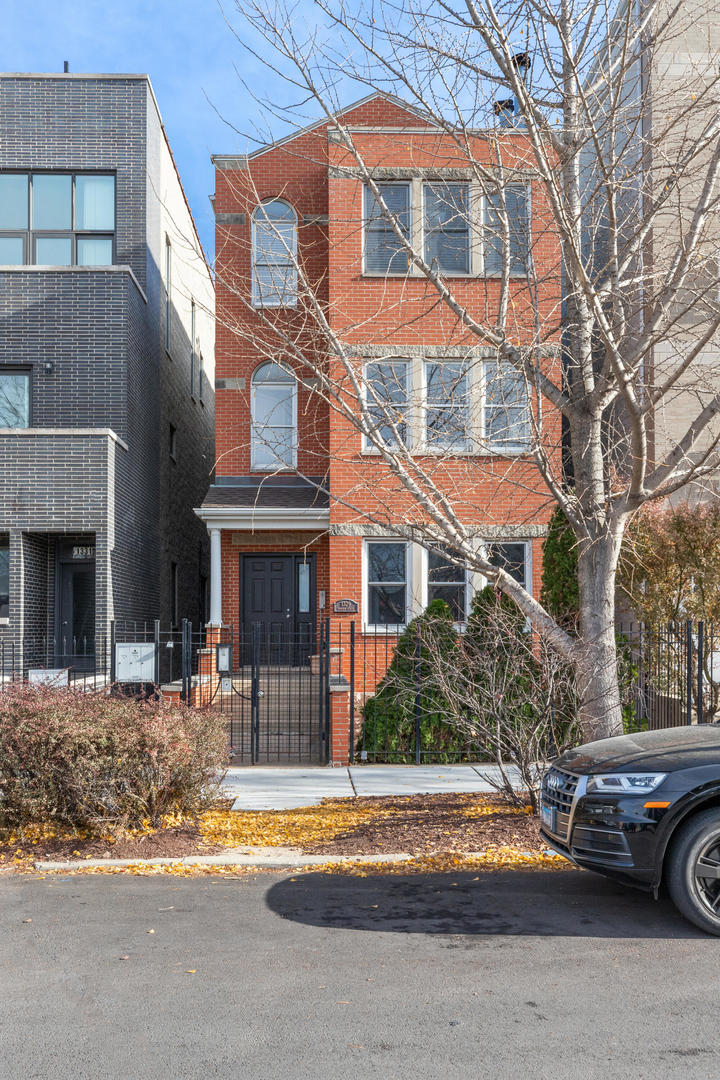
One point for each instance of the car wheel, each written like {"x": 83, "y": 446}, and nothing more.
{"x": 693, "y": 870}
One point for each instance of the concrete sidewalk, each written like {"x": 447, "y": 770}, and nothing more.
{"x": 264, "y": 788}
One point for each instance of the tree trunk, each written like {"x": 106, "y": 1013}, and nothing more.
{"x": 600, "y": 712}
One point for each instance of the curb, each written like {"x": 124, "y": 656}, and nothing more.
{"x": 284, "y": 861}
{"x": 272, "y": 861}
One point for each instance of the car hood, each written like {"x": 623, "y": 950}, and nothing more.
{"x": 654, "y": 751}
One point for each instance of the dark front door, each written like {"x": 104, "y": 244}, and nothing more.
{"x": 76, "y": 638}
{"x": 278, "y": 600}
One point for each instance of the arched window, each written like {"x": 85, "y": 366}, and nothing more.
{"x": 273, "y": 403}
{"x": 274, "y": 253}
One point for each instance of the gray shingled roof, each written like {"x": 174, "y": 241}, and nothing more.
{"x": 281, "y": 492}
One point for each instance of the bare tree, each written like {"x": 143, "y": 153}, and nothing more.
{"x": 620, "y": 149}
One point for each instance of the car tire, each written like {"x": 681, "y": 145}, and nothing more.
{"x": 695, "y": 847}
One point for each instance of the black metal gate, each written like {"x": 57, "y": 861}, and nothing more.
{"x": 275, "y": 695}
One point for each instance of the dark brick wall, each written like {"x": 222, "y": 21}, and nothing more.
{"x": 106, "y": 341}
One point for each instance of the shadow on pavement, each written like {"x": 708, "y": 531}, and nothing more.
{"x": 540, "y": 903}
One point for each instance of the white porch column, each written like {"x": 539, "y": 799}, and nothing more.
{"x": 215, "y": 578}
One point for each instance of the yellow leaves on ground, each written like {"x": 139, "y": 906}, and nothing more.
{"x": 286, "y": 828}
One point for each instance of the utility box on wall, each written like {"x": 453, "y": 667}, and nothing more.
{"x": 136, "y": 662}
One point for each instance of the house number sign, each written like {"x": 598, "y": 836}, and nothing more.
{"x": 83, "y": 553}
{"x": 345, "y": 607}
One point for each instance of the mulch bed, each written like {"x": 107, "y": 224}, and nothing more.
{"x": 420, "y": 824}
{"x": 415, "y": 824}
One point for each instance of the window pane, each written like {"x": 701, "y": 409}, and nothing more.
{"x": 272, "y": 446}
{"x": 276, "y": 285}
{"x": 14, "y": 400}
{"x": 446, "y": 428}
{"x": 387, "y": 605}
{"x": 272, "y": 373}
{"x": 52, "y": 202}
{"x": 303, "y": 587}
{"x": 454, "y": 597}
{"x": 4, "y": 577}
{"x": 53, "y": 251}
{"x": 441, "y": 569}
{"x": 273, "y": 405}
{"x": 383, "y": 250}
{"x": 13, "y": 201}
{"x": 387, "y": 562}
{"x": 277, "y": 210}
{"x": 11, "y": 251}
{"x": 447, "y": 231}
{"x": 507, "y": 418}
{"x": 94, "y": 251}
{"x": 274, "y": 242}
{"x": 95, "y": 203}
{"x": 446, "y": 383}
{"x": 516, "y": 211}
{"x": 387, "y": 398}
{"x": 510, "y": 557}
{"x": 447, "y": 422}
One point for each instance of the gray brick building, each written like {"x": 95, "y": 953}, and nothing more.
{"x": 106, "y": 369}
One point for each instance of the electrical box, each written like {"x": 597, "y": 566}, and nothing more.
{"x": 135, "y": 662}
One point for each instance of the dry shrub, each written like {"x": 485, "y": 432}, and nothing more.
{"x": 89, "y": 759}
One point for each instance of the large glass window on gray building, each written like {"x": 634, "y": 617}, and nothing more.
{"x": 57, "y": 219}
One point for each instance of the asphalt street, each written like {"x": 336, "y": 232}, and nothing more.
{"x": 436, "y": 977}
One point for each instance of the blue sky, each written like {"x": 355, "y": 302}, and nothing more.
{"x": 186, "y": 48}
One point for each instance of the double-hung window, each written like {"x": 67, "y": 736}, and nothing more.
{"x": 387, "y": 396}
{"x": 274, "y": 255}
{"x": 447, "y": 581}
{"x": 384, "y": 252}
{"x": 511, "y": 557}
{"x": 447, "y": 227}
{"x": 57, "y": 219}
{"x": 506, "y": 412}
{"x": 4, "y": 576}
{"x": 447, "y": 419}
{"x": 506, "y": 222}
{"x": 387, "y": 583}
{"x": 14, "y": 399}
{"x": 274, "y": 418}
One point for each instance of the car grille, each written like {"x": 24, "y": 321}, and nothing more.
{"x": 558, "y": 790}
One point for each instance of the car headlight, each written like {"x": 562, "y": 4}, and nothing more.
{"x": 625, "y": 783}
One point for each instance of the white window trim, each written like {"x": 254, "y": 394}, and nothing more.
{"x": 383, "y": 628}
{"x": 255, "y": 444}
{"x": 393, "y": 274}
{"x": 273, "y": 302}
{"x": 410, "y": 416}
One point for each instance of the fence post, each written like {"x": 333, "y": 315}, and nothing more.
{"x": 417, "y": 697}
{"x": 688, "y": 670}
{"x": 352, "y": 693}
{"x": 112, "y": 651}
{"x": 183, "y": 663}
{"x": 701, "y": 660}
{"x": 328, "y": 733}
{"x": 157, "y": 652}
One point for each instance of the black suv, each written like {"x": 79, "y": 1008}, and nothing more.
{"x": 643, "y": 808}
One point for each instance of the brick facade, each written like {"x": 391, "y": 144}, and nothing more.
{"x": 501, "y": 498}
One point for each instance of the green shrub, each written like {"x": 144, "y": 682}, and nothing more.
{"x": 560, "y": 595}
{"x": 87, "y": 759}
{"x": 389, "y": 718}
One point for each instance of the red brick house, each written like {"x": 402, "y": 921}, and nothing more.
{"x": 302, "y": 509}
